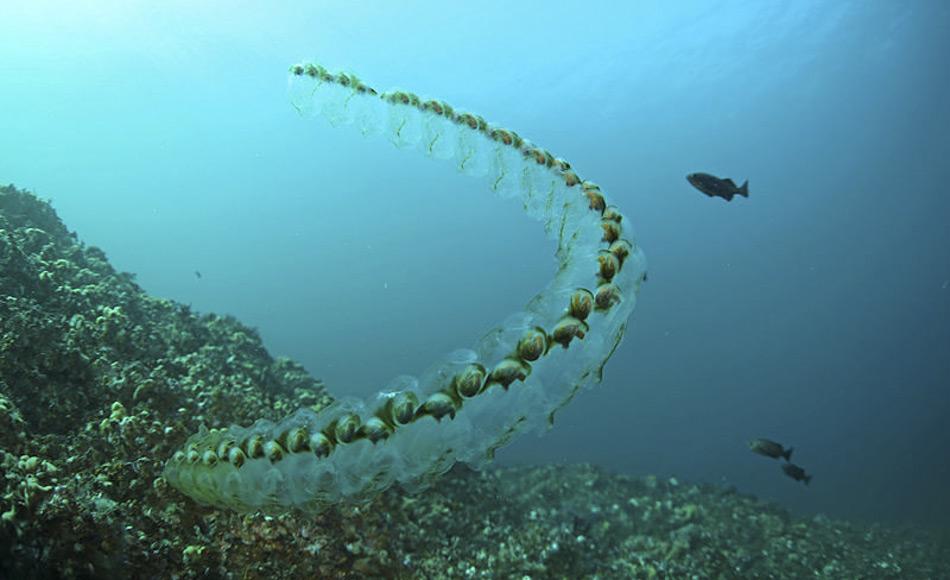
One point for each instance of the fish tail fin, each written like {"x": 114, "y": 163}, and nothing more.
{"x": 744, "y": 190}
{"x": 807, "y": 479}
{"x": 788, "y": 454}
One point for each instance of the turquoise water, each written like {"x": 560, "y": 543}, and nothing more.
{"x": 816, "y": 312}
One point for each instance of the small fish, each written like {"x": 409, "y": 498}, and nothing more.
{"x": 197, "y": 274}
{"x": 796, "y": 472}
{"x": 770, "y": 448}
{"x": 715, "y": 187}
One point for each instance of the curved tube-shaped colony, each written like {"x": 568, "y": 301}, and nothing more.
{"x": 473, "y": 402}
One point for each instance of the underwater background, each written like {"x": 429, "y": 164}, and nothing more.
{"x": 816, "y": 312}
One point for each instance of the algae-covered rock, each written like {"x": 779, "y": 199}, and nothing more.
{"x": 100, "y": 383}
{"x": 579, "y": 522}
{"x": 76, "y": 335}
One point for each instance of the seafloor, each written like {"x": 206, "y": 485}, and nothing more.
{"x": 99, "y": 383}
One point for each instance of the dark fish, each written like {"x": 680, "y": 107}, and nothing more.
{"x": 715, "y": 187}
{"x": 770, "y": 448}
{"x": 796, "y": 472}
{"x": 197, "y": 274}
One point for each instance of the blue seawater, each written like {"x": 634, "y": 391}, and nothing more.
{"x": 815, "y": 312}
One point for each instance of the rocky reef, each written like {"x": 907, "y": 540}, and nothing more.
{"x": 99, "y": 383}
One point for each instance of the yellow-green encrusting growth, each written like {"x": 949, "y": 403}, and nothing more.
{"x": 474, "y": 401}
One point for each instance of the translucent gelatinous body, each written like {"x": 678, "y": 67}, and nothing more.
{"x": 473, "y": 402}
